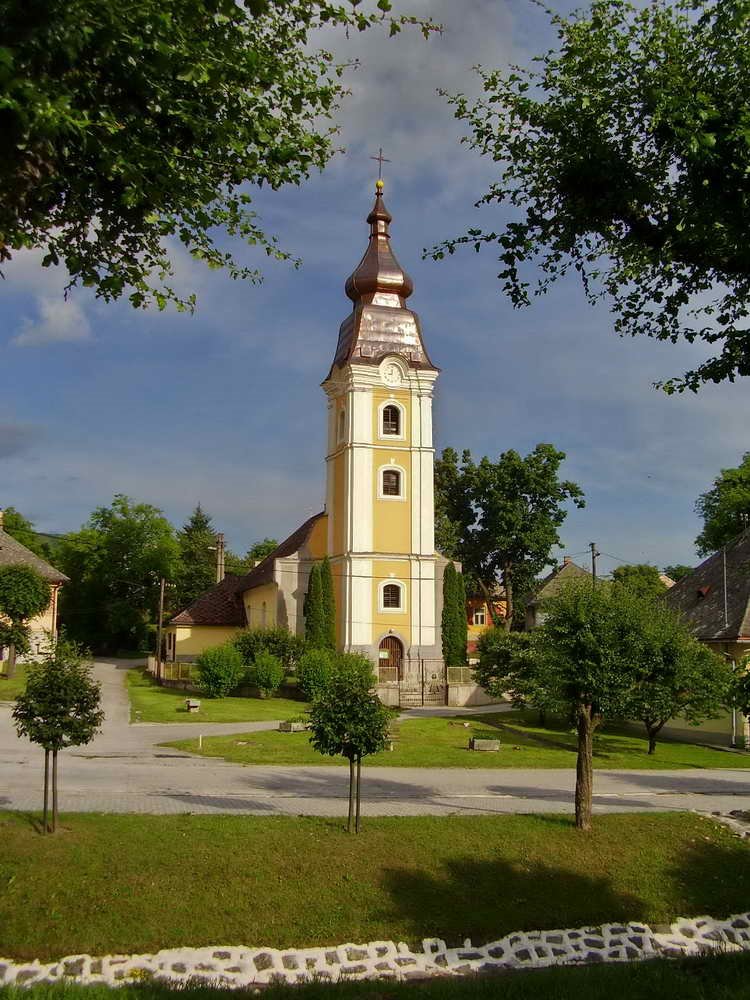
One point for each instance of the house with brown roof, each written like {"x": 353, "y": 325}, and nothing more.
{"x": 272, "y": 593}
{"x": 12, "y": 553}
{"x": 714, "y": 599}
{"x": 549, "y": 587}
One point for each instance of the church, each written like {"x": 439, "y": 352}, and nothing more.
{"x": 377, "y": 527}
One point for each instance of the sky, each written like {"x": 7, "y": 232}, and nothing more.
{"x": 225, "y": 408}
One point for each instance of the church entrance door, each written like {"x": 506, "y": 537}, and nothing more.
{"x": 390, "y": 658}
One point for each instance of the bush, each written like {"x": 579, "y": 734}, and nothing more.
{"x": 356, "y": 666}
{"x": 276, "y": 640}
{"x": 266, "y": 673}
{"x": 220, "y": 670}
{"x": 314, "y": 671}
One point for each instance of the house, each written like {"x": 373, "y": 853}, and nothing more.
{"x": 377, "y": 527}
{"x": 12, "y": 553}
{"x": 714, "y": 599}
{"x": 479, "y": 619}
{"x": 550, "y": 586}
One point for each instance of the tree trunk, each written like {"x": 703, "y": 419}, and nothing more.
{"x": 542, "y": 716}
{"x": 351, "y": 795}
{"x": 45, "y": 823}
{"x": 11, "y": 660}
{"x": 359, "y": 774}
{"x": 490, "y": 605}
{"x": 652, "y": 730}
{"x": 54, "y": 791}
{"x": 584, "y": 767}
{"x": 508, "y": 584}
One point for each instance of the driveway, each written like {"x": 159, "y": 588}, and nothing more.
{"x": 124, "y": 770}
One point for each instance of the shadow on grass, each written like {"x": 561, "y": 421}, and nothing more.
{"x": 483, "y": 900}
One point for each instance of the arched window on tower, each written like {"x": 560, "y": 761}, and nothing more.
{"x": 391, "y": 596}
{"x": 391, "y": 483}
{"x": 392, "y": 420}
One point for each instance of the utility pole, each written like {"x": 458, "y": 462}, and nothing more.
{"x": 594, "y": 554}
{"x": 158, "y": 628}
{"x": 219, "y": 557}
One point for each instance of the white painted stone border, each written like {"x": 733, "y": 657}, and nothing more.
{"x": 237, "y": 967}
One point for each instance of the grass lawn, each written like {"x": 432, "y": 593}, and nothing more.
{"x": 11, "y": 687}
{"x": 151, "y": 703}
{"x": 722, "y": 977}
{"x": 444, "y": 743}
{"x": 129, "y": 883}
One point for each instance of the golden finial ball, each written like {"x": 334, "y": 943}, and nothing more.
{"x": 379, "y": 185}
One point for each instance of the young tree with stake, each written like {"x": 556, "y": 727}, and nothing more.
{"x": 349, "y": 720}
{"x": 59, "y": 709}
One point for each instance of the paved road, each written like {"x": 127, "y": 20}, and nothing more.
{"x": 125, "y": 770}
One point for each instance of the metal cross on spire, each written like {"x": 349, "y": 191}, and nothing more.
{"x": 381, "y": 160}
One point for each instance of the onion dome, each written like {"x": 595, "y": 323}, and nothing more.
{"x": 379, "y": 273}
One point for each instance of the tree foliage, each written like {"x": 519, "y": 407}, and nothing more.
{"x": 454, "y": 628}
{"x": 24, "y": 594}
{"x": 266, "y": 673}
{"x": 59, "y": 708}
{"x": 677, "y": 571}
{"x": 725, "y": 508}
{"x": 115, "y": 563}
{"x": 329, "y": 604}
{"x": 625, "y": 152}
{"x": 255, "y": 554}
{"x": 197, "y": 565}
{"x": 320, "y": 608}
{"x": 505, "y": 515}
{"x": 641, "y": 579}
{"x": 130, "y": 126}
{"x": 275, "y": 639}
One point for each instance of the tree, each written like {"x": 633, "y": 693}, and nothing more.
{"x": 640, "y": 579}
{"x": 132, "y": 127}
{"x": 59, "y": 709}
{"x": 677, "y": 571}
{"x": 348, "y": 720}
{"x": 453, "y": 622}
{"x": 197, "y": 566}
{"x": 24, "y": 594}
{"x": 15, "y": 524}
{"x": 509, "y": 666}
{"x": 255, "y": 554}
{"x": 115, "y": 563}
{"x": 725, "y": 508}
{"x": 329, "y": 605}
{"x": 313, "y": 610}
{"x": 506, "y": 515}
{"x": 625, "y": 152}
{"x": 220, "y": 670}
{"x": 677, "y": 675}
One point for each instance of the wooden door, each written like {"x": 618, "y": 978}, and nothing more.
{"x": 390, "y": 658}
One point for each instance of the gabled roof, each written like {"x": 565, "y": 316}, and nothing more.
{"x": 223, "y": 604}
{"x": 13, "y": 553}
{"x": 699, "y": 596}
{"x": 263, "y": 572}
{"x": 551, "y": 584}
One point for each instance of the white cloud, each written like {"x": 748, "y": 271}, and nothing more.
{"x": 58, "y": 321}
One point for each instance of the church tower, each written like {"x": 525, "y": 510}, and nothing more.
{"x": 380, "y": 503}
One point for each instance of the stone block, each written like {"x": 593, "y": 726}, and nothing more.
{"x": 292, "y": 727}
{"x": 477, "y": 744}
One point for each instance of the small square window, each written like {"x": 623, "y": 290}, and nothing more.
{"x": 480, "y": 617}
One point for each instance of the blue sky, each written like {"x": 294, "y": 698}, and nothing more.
{"x": 225, "y": 407}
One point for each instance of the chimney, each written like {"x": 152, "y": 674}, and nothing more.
{"x": 219, "y": 557}
{"x": 1, "y": 518}
{"x": 567, "y": 560}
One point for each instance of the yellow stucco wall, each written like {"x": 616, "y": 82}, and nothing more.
{"x": 193, "y": 639}
{"x": 255, "y": 600}
{"x": 386, "y": 396}
{"x": 339, "y": 505}
{"x": 391, "y": 528}
{"x": 318, "y": 541}
{"x": 399, "y": 621}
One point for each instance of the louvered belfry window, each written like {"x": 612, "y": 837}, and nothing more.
{"x": 391, "y": 483}
{"x": 391, "y": 420}
{"x": 391, "y": 596}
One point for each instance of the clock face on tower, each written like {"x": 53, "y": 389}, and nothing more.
{"x": 390, "y": 372}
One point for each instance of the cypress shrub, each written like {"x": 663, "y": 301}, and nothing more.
{"x": 329, "y": 605}
{"x": 314, "y": 611}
